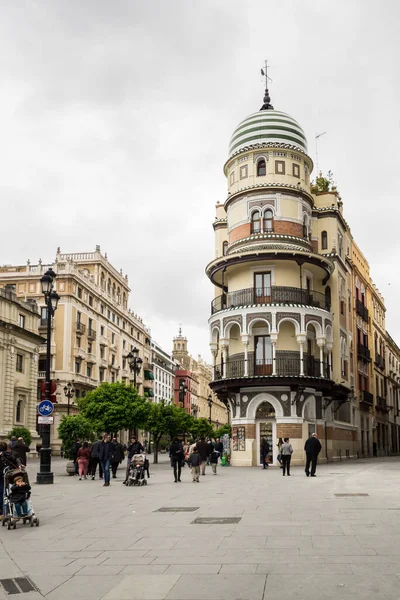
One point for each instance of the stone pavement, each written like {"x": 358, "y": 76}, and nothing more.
{"x": 298, "y": 537}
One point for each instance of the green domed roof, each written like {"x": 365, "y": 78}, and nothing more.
{"x": 267, "y": 126}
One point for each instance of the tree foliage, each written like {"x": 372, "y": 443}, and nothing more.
{"x": 21, "y": 432}
{"x": 72, "y": 427}
{"x": 323, "y": 184}
{"x": 201, "y": 428}
{"x": 114, "y": 406}
{"x": 224, "y": 429}
{"x": 166, "y": 419}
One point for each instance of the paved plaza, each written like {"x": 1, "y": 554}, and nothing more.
{"x": 333, "y": 536}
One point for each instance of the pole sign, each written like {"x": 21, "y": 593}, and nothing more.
{"x": 53, "y": 389}
{"x": 45, "y": 408}
{"x": 45, "y": 420}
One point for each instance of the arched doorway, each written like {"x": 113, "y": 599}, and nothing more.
{"x": 266, "y": 429}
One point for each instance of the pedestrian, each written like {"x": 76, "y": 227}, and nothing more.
{"x": 134, "y": 447}
{"x": 106, "y": 451}
{"x": 13, "y": 441}
{"x": 219, "y": 447}
{"x": 177, "y": 456}
{"x": 214, "y": 461}
{"x": 264, "y": 453}
{"x": 83, "y": 460}
{"x": 117, "y": 457}
{"x": 95, "y": 458}
{"x": 279, "y": 446}
{"x": 312, "y": 448}
{"x": 7, "y": 459}
{"x": 186, "y": 448}
{"x": 195, "y": 461}
{"x": 20, "y": 448}
{"x": 203, "y": 450}
{"x": 286, "y": 455}
{"x": 74, "y": 453}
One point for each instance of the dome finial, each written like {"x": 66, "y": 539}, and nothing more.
{"x": 267, "y": 99}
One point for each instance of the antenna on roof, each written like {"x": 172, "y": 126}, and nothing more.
{"x": 267, "y": 100}
{"x": 316, "y": 151}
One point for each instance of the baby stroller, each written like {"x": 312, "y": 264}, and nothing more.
{"x": 12, "y": 512}
{"x": 137, "y": 470}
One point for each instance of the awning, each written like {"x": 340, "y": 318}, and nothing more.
{"x": 148, "y": 392}
{"x": 148, "y": 375}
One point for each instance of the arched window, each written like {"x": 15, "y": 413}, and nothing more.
{"x": 18, "y": 411}
{"x": 324, "y": 240}
{"x": 109, "y": 286}
{"x": 328, "y": 297}
{"x": 261, "y": 168}
{"x": 224, "y": 248}
{"x": 305, "y": 226}
{"x": 268, "y": 220}
{"x": 255, "y": 222}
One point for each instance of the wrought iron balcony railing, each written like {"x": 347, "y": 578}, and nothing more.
{"x": 362, "y": 310}
{"x": 367, "y": 398}
{"x": 380, "y": 362}
{"x": 363, "y": 352}
{"x": 275, "y": 294}
{"x": 286, "y": 365}
{"x": 80, "y": 327}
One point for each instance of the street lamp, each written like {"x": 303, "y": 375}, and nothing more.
{"x": 210, "y": 403}
{"x": 51, "y": 299}
{"x": 135, "y": 363}
{"x": 69, "y": 393}
{"x": 182, "y": 392}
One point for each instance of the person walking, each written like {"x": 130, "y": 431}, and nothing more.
{"x": 286, "y": 455}
{"x": 195, "y": 460}
{"x": 21, "y": 450}
{"x": 117, "y": 457}
{"x": 279, "y": 457}
{"x": 95, "y": 458}
{"x": 219, "y": 447}
{"x": 214, "y": 461}
{"x": 74, "y": 453}
{"x": 177, "y": 455}
{"x": 264, "y": 453}
{"x": 312, "y": 448}
{"x": 203, "y": 450}
{"x": 106, "y": 451}
{"x": 83, "y": 460}
{"x": 134, "y": 447}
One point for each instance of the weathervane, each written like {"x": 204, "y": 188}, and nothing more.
{"x": 267, "y": 100}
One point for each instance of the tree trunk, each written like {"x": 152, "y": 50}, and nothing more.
{"x": 156, "y": 443}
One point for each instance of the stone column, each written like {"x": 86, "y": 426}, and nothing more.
{"x": 245, "y": 342}
{"x": 321, "y": 345}
{"x": 328, "y": 348}
{"x": 224, "y": 346}
{"x": 274, "y": 341}
{"x": 301, "y": 340}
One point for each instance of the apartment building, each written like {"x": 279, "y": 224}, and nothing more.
{"x": 164, "y": 368}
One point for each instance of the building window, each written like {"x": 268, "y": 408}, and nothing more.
{"x": 224, "y": 248}
{"x": 340, "y": 244}
{"x": 268, "y": 220}
{"x": 112, "y": 378}
{"x": 113, "y": 317}
{"x": 88, "y": 371}
{"x": 232, "y": 178}
{"x": 324, "y": 240}
{"x": 280, "y": 167}
{"x": 118, "y": 321}
{"x": 90, "y": 300}
{"x": 255, "y": 222}
{"x": 79, "y": 292}
{"x": 78, "y": 341}
{"x": 123, "y": 343}
{"x": 305, "y": 226}
{"x": 243, "y": 172}
{"x": 78, "y": 317}
{"x": 19, "y": 411}
{"x": 101, "y": 375}
{"x": 77, "y": 366}
{"x": 19, "y": 365}
{"x": 113, "y": 338}
{"x": 108, "y": 314}
{"x": 21, "y": 321}
{"x": 101, "y": 329}
{"x": 101, "y": 351}
{"x": 123, "y": 324}
{"x": 138, "y": 336}
{"x": 132, "y": 331}
{"x": 102, "y": 309}
{"x": 89, "y": 348}
{"x": 296, "y": 171}
{"x": 43, "y": 315}
{"x": 112, "y": 359}
{"x": 124, "y": 363}
{"x": 261, "y": 168}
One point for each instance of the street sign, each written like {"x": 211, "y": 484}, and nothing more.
{"x": 45, "y": 408}
{"x": 45, "y": 420}
{"x": 53, "y": 389}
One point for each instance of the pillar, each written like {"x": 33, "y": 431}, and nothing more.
{"x": 224, "y": 347}
{"x": 321, "y": 345}
{"x": 301, "y": 344}
{"x": 245, "y": 342}
{"x": 274, "y": 341}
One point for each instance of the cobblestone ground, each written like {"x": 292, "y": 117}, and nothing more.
{"x": 333, "y": 536}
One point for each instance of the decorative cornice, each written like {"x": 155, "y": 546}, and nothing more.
{"x": 280, "y": 186}
{"x": 252, "y": 147}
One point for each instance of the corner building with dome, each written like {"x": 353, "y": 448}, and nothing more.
{"x": 281, "y": 353}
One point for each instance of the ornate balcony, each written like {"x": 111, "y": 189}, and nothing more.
{"x": 91, "y": 333}
{"x": 362, "y": 310}
{"x": 366, "y": 399}
{"x": 380, "y": 362}
{"x": 270, "y": 295}
{"x": 287, "y": 364}
{"x": 381, "y": 404}
{"x": 80, "y": 328}
{"x": 363, "y": 352}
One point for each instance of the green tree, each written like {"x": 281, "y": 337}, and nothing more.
{"x": 201, "y": 428}
{"x": 114, "y": 406}
{"x": 223, "y": 430}
{"x": 166, "y": 419}
{"x": 73, "y": 427}
{"x": 21, "y": 432}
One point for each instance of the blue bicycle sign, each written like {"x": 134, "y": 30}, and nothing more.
{"x": 45, "y": 408}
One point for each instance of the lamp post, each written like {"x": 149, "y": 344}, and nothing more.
{"x": 210, "y": 403}
{"x": 69, "y": 393}
{"x": 135, "y": 363}
{"x": 51, "y": 299}
{"x": 182, "y": 392}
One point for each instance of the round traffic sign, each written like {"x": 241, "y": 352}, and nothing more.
{"x": 45, "y": 408}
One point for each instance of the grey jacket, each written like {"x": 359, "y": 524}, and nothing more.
{"x": 286, "y": 449}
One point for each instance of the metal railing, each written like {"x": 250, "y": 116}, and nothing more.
{"x": 80, "y": 327}
{"x": 367, "y": 397}
{"x": 362, "y": 310}
{"x": 381, "y": 404}
{"x": 363, "y": 352}
{"x": 286, "y": 366}
{"x": 275, "y": 294}
{"x": 91, "y": 333}
{"x": 380, "y": 361}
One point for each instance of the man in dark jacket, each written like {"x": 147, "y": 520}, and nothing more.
{"x": 95, "y": 458}
{"x": 117, "y": 457}
{"x": 264, "y": 453}
{"x": 74, "y": 453}
{"x": 177, "y": 455}
{"x": 21, "y": 449}
{"x": 204, "y": 450}
{"x": 106, "y": 452}
{"x": 312, "y": 448}
{"x": 219, "y": 446}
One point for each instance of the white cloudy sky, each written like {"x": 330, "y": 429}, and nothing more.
{"x": 116, "y": 117}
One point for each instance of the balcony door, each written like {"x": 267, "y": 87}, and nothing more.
{"x": 263, "y": 355}
{"x": 262, "y": 287}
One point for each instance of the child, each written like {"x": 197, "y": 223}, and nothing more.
{"x": 214, "y": 461}
{"x": 20, "y": 493}
{"x": 195, "y": 460}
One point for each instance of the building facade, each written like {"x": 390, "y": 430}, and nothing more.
{"x": 290, "y": 327}
{"x": 19, "y": 357}
{"x": 197, "y": 375}
{"x": 164, "y": 368}
{"x": 93, "y": 329}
